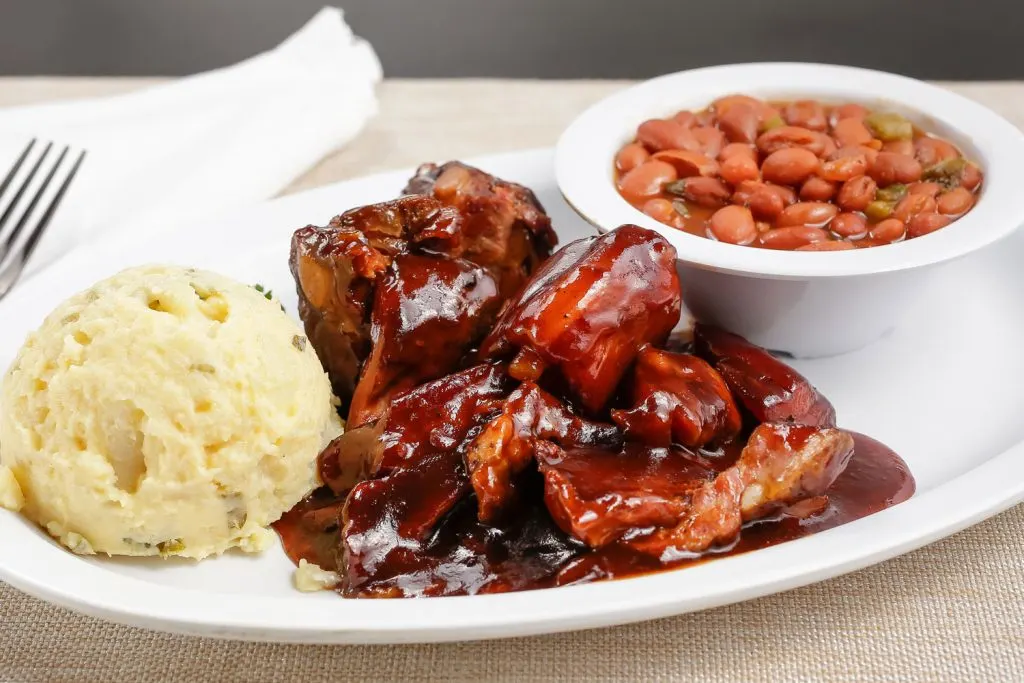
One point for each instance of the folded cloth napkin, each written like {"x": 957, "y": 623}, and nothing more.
{"x": 206, "y": 143}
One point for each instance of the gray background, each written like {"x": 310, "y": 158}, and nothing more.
{"x": 950, "y": 39}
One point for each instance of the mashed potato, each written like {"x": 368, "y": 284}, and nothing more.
{"x": 164, "y": 411}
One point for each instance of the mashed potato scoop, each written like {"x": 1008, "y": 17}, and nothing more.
{"x": 164, "y": 411}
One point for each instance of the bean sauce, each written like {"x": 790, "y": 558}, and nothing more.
{"x": 798, "y": 175}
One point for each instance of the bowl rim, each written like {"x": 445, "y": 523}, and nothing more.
{"x": 586, "y": 148}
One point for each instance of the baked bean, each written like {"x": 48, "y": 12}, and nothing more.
{"x": 686, "y": 119}
{"x": 851, "y": 132}
{"x": 899, "y": 147}
{"x": 689, "y": 164}
{"x": 857, "y": 151}
{"x": 831, "y": 245}
{"x": 816, "y": 189}
{"x": 710, "y": 192}
{"x": 733, "y": 224}
{"x": 658, "y": 135}
{"x": 646, "y": 180}
{"x": 930, "y": 151}
{"x": 890, "y": 167}
{"x": 711, "y": 140}
{"x": 888, "y": 230}
{"x": 970, "y": 177}
{"x": 795, "y": 175}
{"x": 787, "y": 194}
{"x": 806, "y": 114}
{"x": 738, "y": 149}
{"x": 738, "y": 168}
{"x": 930, "y": 189}
{"x": 924, "y": 223}
{"x": 848, "y": 111}
{"x": 739, "y": 122}
{"x": 849, "y": 225}
{"x": 856, "y": 193}
{"x": 814, "y": 214}
{"x": 842, "y": 169}
{"x": 911, "y": 205}
{"x": 792, "y": 237}
{"x": 631, "y": 156}
{"x": 662, "y": 211}
{"x": 789, "y": 166}
{"x": 955, "y": 202}
{"x": 785, "y": 137}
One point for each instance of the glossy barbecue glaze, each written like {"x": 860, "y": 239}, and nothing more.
{"x": 571, "y": 445}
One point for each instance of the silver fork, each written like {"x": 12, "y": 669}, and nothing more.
{"x": 14, "y": 254}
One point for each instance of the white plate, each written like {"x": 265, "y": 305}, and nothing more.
{"x": 944, "y": 391}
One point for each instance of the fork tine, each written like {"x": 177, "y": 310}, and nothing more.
{"x": 17, "y": 198}
{"x": 44, "y": 220}
{"x": 17, "y": 165}
{"x": 12, "y": 237}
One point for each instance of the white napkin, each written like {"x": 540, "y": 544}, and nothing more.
{"x": 203, "y": 144}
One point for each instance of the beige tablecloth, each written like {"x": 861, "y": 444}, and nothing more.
{"x": 952, "y": 611}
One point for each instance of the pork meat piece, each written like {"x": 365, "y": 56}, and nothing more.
{"x": 428, "y": 312}
{"x": 505, "y": 228}
{"x": 678, "y": 398}
{"x": 336, "y": 269}
{"x": 782, "y": 464}
{"x": 505, "y": 446}
{"x": 417, "y": 466}
{"x": 586, "y": 313}
{"x": 768, "y": 388}
{"x": 599, "y": 495}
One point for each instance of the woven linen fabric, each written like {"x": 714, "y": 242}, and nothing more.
{"x": 953, "y": 611}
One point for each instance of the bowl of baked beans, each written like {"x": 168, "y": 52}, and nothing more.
{"x": 806, "y": 202}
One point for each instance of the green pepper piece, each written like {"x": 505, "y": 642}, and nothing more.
{"x": 681, "y": 208}
{"x": 879, "y": 210}
{"x": 773, "y": 122}
{"x": 891, "y": 193}
{"x": 888, "y": 126}
{"x": 946, "y": 172}
{"x": 676, "y": 187}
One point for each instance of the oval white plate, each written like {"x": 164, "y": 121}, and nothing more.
{"x": 944, "y": 391}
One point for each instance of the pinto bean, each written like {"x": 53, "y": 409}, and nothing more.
{"x": 856, "y": 193}
{"x": 688, "y": 164}
{"x": 899, "y": 147}
{"x": 930, "y": 189}
{"x": 970, "y": 177}
{"x": 849, "y": 225}
{"x": 924, "y": 223}
{"x": 662, "y": 211}
{"x": 890, "y": 167}
{"x": 704, "y": 191}
{"x": 739, "y": 122}
{"x": 733, "y": 224}
{"x": 815, "y": 214}
{"x": 888, "y": 230}
{"x": 955, "y": 202}
{"x": 930, "y": 150}
{"x": 851, "y": 132}
{"x": 658, "y": 135}
{"x": 848, "y": 111}
{"x": 789, "y": 166}
{"x": 792, "y": 237}
{"x": 857, "y": 151}
{"x": 816, "y": 189}
{"x": 785, "y": 137}
{"x": 844, "y": 168}
{"x": 710, "y": 139}
{"x": 912, "y": 205}
{"x": 685, "y": 118}
{"x": 808, "y": 114}
{"x": 738, "y": 168}
{"x": 631, "y": 156}
{"x": 738, "y": 149}
{"x": 646, "y": 180}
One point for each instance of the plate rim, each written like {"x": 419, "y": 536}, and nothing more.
{"x": 63, "y": 579}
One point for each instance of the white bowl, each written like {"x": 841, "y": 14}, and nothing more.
{"x": 807, "y": 304}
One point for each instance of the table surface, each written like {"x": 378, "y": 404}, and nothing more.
{"x": 951, "y": 611}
